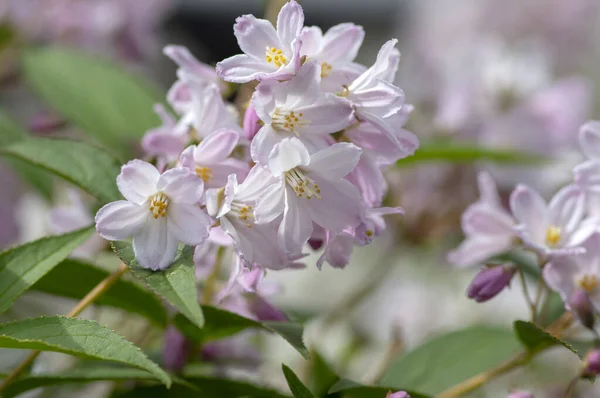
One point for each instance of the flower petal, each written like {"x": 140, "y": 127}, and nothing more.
{"x": 137, "y": 181}
{"x": 342, "y": 42}
{"x": 296, "y": 227}
{"x": 181, "y": 185}
{"x": 188, "y": 223}
{"x": 589, "y": 138}
{"x": 221, "y": 171}
{"x": 289, "y": 22}
{"x": 286, "y": 155}
{"x": 154, "y": 246}
{"x": 559, "y": 274}
{"x": 336, "y": 161}
{"x": 530, "y": 209}
{"x": 263, "y": 143}
{"x": 254, "y": 35}
{"x": 340, "y": 205}
{"x": 311, "y": 37}
{"x": 475, "y": 250}
{"x": 271, "y": 204}
{"x": 483, "y": 220}
{"x": 216, "y": 147}
{"x": 587, "y": 175}
{"x": 242, "y": 68}
{"x": 567, "y": 208}
{"x": 120, "y": 220}
{"x": 327, "y": 115}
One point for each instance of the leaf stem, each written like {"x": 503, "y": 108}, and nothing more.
{"x": 96, "y": 292}
{"x": 530, "y": 302}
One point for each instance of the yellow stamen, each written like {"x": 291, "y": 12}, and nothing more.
{"x": 205, "y": 173}
{"x": 326, "y": 69}
{"x": 288, "y": 121}
{"x": 302, "y": 184}
{"x": 553, "y": 236}
{"x": 588, "y": 283}
{"x": 159, "y": 203}
{"x": 275, "y": 56}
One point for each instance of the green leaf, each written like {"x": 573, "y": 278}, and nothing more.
{"x": 22, "y": 266}
{"x": 454, "y": 152}
{"x": 36, "y": 178}
{"x": 74, "y": 279}
{"x": 106, "y": 102}
{"x": 350, "y": 389}
{"x": 177, "y": 284}
{"x": 79, "y": 337}
{"x": 536, "y": 339}
{"x": 321, "y": 377}
{"x": 88, "y": 167}
{"x": 77, "y": 375}
{"x": 296, "y": 386}
{"x": 220, "y": 324}
{"x": 451, "y": 358}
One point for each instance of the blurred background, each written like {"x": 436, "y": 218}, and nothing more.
{"x": 514, "y": 75}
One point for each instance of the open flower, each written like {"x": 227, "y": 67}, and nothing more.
{"x": 297, "y": 108}
{"x": 164, "y": 142}
{"x": 159, "y": 211}
{"x": 210, "y": 160}
{"x": 553, "y": 228}
{"x": 310, "y": 188}
{"x": 335, "y": 50}
{"x": 268, "y": 53}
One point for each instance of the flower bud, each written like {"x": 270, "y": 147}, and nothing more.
{"x": 489, "y": 282}
{"x": 591, "y": 363}
{"x": 176, "y": 349}
{"x": 251, "y": 123}
{"x": 521, "y": 394}
{"x": 580, "y": 304}
{"x": 399, "y": 394}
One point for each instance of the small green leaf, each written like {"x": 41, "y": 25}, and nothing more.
{"x": 41, "y": 181}
{"x": 451, "y": 358}
{"x": 88, "y": 167}
{"x": 220, "y": 324}
{"x": 351, "y": 389}
{"x": 22, "y": 266}
{"x": 177, "y": 284}
{"x": 106, "y": 102}
{"x": 536, "y": 339}
{"x": 454, "y": 152}
{"x": 296, "y": 386}
{"x": 321, "y": 377}
{"x": 74, "y": 279}
{"x": 79, "y": 337}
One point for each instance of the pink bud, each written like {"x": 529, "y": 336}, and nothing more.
{"x": 176, "y": 350}
{"x": 521, "y": 394}
{"x": 399, "y": 394}
{"x": 580, "y": 304}
{"x": 489, "y": 282}
{"x": 592, "y": 363}
{"x": 251, "y": 122}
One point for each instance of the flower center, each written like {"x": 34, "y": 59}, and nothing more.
{"x": 326, "y": 69}
{"x": 159, "y": 205}
{"x": 288, "y": 121}
{"x": 302, "y": 185}
{"x": 275, "y": 56}
{"x": 205, "y": 173}
{"x": 243, "y": 212}
{"x": 588, "y": 283}
{"x": 552, "y": 236}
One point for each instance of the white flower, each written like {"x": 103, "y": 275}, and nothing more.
{"x": 310, "y": 188}
{"x": 297, "y": 108}
{"x": 159, "y": 211}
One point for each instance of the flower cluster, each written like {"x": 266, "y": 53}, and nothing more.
{"x": 305, "y": 164}
{"x": 564, "y": 234}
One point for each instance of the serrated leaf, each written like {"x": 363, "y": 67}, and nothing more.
{"x": 79, "y": 337}
{"x": 220, "y": 324}
{"x": 296, "y": 386}
{"x": 321, "y": 376}
{"x": 536, "y": 339}
{"x": 451, "y": 358}
{"x": 351, "y": 389}
{"x": 74, "y": 279}
{"x": 22, "y": 266}
{"x": 177, "y": 284}
{"x": 106, "y": 102}
{"x": 41, "y": 181}
{"x": 88, "y": 167}
{"x": 454, "y": 152}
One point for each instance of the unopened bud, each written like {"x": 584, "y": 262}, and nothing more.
{"x": 591, "y": 363}
{"x": 251, "y": 123}
{"x": 176, "y": 349}
{"x": 489, "y": 282}
{"x": 399, "y": 394}
{"x": 521, "y": 394}
{"x": 580, "y": 305}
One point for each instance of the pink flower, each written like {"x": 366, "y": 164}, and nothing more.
{"x": 268, "y": 53}
{"x": 553, "y": 228}
{"x": 571, "y": 275}
{"x": 488, "y": 227}
{"x": 310, "y": 188}
{"x": 160, "y": 210}
{"x": 210, "y": 160}
{"x": 192, "y": 69}
{"x": 587, "y": 174}
{"x": 297, "y": 108}
{"x": 164, "y": 142}
{"x": 335, "y": 50}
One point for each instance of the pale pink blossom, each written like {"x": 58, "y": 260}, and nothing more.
{"x": 310, "y": 188}
{"x": 587, "y": 174}
{"x": 488, "y": 227}
{"x": 335, "y": 51}
{"x": 160, "y": 211}
{"x": 269, "y": 53}
{"x": 211, "y": 160}
{"x": 297, "y": 108}
{"x": 192, "y": 69}
{"x": 553, "y": 228}
{"x": 164, "y": 142}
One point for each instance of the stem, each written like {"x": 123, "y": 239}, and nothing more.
{"x": 530, "y": 302}
{"x": 395, "y": 348}
{"x": 96, "y": 292}
{"x": 211, "y": 282}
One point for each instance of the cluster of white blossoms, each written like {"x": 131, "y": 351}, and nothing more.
{"x": 564, "y": 233}
{"x": 304, "y": 164}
